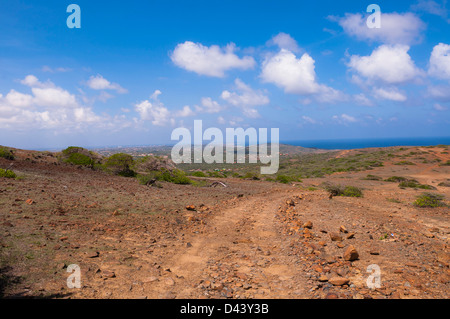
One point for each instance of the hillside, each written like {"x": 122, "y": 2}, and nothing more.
{"x": 251, "y": 239}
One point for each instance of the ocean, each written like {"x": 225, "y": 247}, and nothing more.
{"x": 346, "y": 144}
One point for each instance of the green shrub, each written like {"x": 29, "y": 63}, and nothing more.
{"x": 348, "y": 191}
{"x": 216, "y": 174}
{"x": 198, "y": 174}
{"x": 6, "y": 153}
{"x": 175, "y": 176}
{"x": 252, "y": 176}
{"x": 414, "y": 184}
{"x": 287, "y": 179}
{"x": 7, "y": 173}
{"x": 283, "y": 179}
{"x": 79, "y": 156}
{"x": 79, "y": 159}
{"x": 404, "y": 163}
{"x": 372, "y": 178}
{"x": 444, "y": 184}
{"x": 396, "y": 179}
{"x": 352, "y": 191}
{"x": 120, "y": 164}
{"x": 429, "y": 200}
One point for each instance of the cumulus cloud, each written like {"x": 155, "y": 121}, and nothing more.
{"x": 210, "y": 61}
{"x": 392, "y": 94}
{"x": 390, "y": 64}
{"x": 248, "y": 96}
{"x": 284, "y": 41}
{"x": 395, "y": 28}
{"x": 48, "y": 107}
{"x": 98, "y": 82}
{"x": 208, "y": 105}
{"x": 440, "y": 61}
{"x": 245, "y": 98}
{"x": 154, "y": 111}
{"x": 289, "y": 73}
{"x": 297, "y": 76}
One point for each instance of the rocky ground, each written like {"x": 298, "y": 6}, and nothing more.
{"x": 252, "y": 239}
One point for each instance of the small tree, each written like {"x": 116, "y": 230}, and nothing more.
{"x": 120, "y": 164}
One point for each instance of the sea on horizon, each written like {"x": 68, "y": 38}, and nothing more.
{"x": 347, "y": 144}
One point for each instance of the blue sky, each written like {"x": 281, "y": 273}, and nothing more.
{"x": 136, "y": 70}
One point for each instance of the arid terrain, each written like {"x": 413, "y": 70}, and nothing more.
{"x": 251, "y": 239}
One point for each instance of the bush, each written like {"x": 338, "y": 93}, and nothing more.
{"x": 372, "y": 178}
{"x": 348, "y": 191}
{"x": 352, "y": 191}
{"x": 176, "y": 177}
{"x": 216, "y": 174}
{"x": 444, "y": 184}
{"x": 79, "y": 156}
{"x": 6, "y": 153}
{"x": 429, "y": 200}
{"x": 79, "y": 159}
{"x": 404, "y": 163}
{"x": 283, "y": 179}
{"x": 287, "y": 179}
{"x": 414, "y": 184}
{"x": 396, "y": 179}
{"x": 198, "y": 174}
{"x": 120, "y": 164}
{"x": 7, "y": 173}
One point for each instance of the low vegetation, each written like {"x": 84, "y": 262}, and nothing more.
{"x": 414, "y": 184}
{"x": 6, "y": 153}
{"x": 120, "y": 164}
{"x": 429, "y": 200}
{"x": 347, "y": 191}
{"x": 7, "y": 173}
{"x": 79, "y": 156}
{"x": 175, "y": 176}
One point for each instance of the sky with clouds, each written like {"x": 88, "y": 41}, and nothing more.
{"x": 134, "y": 71}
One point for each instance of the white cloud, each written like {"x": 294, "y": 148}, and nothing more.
{"x": 221, "y": 120}
{"x": 388, "y": 63}
{"x": 284, "y": 41}
{"x": 98, "y": 82}
{"x": 440, "y": 61}
{"x": 209, "y": 106}
{"x": 48, "y": 107}
{"x": 362, "y": 99}
{"x": 157, "y": 113}
{"x": 440, "y": 93}
{"x": 211, "y": 61}
{"x": 344, "y": 119}
{"x": 297, "y": 76}
{"x": 293, "y": 75}
{"x": 392, "y": 94}
{"x": 309, "y": 120}
{"x": 246, "y": 98}
{"x": 185, "y": 112}
{"x": 395, "y": 28}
